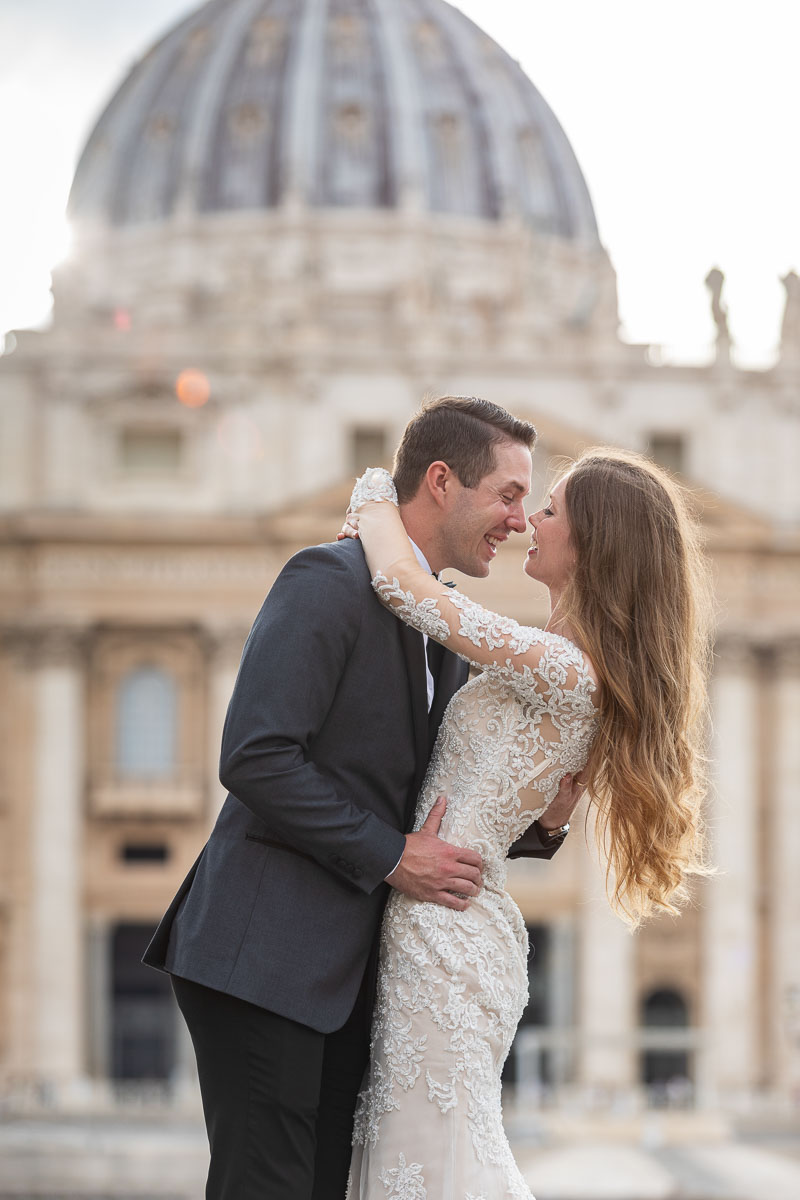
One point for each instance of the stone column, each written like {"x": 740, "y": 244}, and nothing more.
{"x": 56, "y": 912}
{"x": 784, "y": 873}
{"x": 98, "y": 998}
{"x": 226, "y": 651}
{"x": 607, "y": 1005}
{"x": 728, "y": 1059}
{"x": 562, "y": 998}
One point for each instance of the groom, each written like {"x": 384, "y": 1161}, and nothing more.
{"x": 271, "y": 941}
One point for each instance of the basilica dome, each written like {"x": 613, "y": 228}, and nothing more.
{"x": 250, "y": 105}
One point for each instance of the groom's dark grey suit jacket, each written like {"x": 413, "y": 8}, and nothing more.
{"x": 325, "y": 745}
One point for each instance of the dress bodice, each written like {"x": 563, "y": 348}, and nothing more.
{"x": 500, "y": 754}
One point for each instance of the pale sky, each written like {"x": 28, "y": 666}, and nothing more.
{"x": 683, "y": 115}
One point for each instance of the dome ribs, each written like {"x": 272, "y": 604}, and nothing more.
{"x": 243, "y": 157}
{"x": 249, "y": 105}
{"x": 354, "y": 168}
{"x": 458, "y": 175}
{"x": 464, "y": 55}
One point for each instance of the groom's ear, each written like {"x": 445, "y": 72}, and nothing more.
{"x": 439, "y": 482}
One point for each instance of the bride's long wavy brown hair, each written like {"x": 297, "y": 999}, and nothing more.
{"x": 639, "y": 604}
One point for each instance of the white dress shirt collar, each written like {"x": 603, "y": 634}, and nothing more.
{"x": 421, "y": 559}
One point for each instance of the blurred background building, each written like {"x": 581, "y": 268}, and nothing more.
{"x": 293, "y": 221}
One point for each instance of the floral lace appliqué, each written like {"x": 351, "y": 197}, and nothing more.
{"x": 404, "y": 1182}
{"x": 422, "y": 614}
{"x": 375, "y": 484}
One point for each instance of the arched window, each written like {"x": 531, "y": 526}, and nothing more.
{"x": 664, "y": 1009}
{"x": 147, "y": 710}
{"x": 665, "y": 1066}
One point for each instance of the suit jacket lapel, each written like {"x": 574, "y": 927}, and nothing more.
{"x": 414, "y": 650}
{"x": 452, "y": 675}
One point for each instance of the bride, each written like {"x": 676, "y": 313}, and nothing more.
{"x": 613, "y": 687}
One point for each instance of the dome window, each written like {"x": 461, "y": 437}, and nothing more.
{"x": 247, "y": 122}
{"x": 428, "y": 37}
{"x": 160, "y": 127}
{"x": 347, "y": 36}
{"x": 449, "y": 135}
{"x": 536, "y": 185}
{"x": 196, "y": 46}
{"x": 351, "y": 124}
{"x": 265, "y": 43}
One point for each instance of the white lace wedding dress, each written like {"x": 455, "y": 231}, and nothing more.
{"x": 452, "y": 985}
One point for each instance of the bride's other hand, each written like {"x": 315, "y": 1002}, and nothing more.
{"x": 350, "y": 527}
{"x": 559, "y": 811}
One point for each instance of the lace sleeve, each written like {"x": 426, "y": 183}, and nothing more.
{"x": 533, "y": 662}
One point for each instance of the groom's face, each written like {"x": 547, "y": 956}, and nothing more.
{"x": 478, "y": 519}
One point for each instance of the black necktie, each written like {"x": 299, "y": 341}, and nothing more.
{"x": 435, "y": 653}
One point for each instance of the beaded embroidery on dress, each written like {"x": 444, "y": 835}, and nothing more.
{"x": 452, "y": 985}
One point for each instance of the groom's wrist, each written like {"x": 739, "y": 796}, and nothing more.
{"x": 388, "y": 878}
{"x": 553, "y": 832}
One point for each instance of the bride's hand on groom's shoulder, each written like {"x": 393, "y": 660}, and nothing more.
{"x": 434, "y": 870}
{"x": 350, "y": 527}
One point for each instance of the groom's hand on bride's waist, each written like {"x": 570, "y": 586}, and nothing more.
{"x": 434, "y": 870}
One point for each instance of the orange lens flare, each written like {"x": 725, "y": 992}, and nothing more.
{"x": 192, "y": 388}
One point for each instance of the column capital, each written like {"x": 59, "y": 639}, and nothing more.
{"x": 787, "y": 655}
{"x": 225, "y": 640}
{"x": 57, "y": 644}
{"x": 735, "y": 653}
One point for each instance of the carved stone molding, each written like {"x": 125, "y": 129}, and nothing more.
{"x": 46, "y": 645}
{"x": 787, "y": 656}
{"x": 735, "y": 654}
{"x": 154, "y": 567}
{"x": 225, "y": 641}
{"x": 169, "y": 800}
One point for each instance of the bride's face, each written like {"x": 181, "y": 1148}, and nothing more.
{"x": 551, "y": 558}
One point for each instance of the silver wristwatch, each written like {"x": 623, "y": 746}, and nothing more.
{"x": 560, "y": 832}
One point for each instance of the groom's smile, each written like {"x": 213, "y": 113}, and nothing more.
{"x": 494, "y": 540}
{"x": 483, "y": 517}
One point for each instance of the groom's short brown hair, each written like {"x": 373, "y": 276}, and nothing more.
{"x": 461, "y": 431}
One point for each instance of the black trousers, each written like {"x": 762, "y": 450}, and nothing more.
{"x": 278, "y": 1097}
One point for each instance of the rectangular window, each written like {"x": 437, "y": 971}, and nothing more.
{"x": 668, "y": 450}
{"x": 150, "y": 451}
{"x": 141, "y": 852}
{"x": 367, "y": 449}
{"x": 143, "y": 1031}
